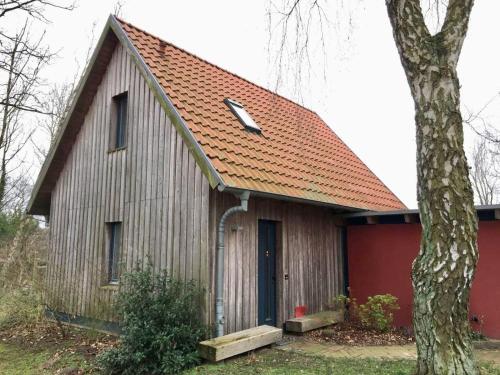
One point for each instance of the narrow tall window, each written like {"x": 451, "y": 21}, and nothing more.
{"x": 113, "y": 253}
{"x": 119, "y": 127}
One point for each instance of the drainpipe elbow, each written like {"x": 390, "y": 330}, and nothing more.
{"x": 244, "y": 200}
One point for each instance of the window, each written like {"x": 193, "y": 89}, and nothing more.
{"x": 113, "y": 253}
{"x": 119, "y": 125}
{"x": 242, "y": 115}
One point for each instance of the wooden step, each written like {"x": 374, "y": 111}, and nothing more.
{"x": 239, "y": 342}
{"x": 314, "y": 321}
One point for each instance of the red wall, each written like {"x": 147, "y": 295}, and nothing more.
{"x": 380, "y": 258}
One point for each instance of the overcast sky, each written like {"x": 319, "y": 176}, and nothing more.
{"x": 365, "y": 98}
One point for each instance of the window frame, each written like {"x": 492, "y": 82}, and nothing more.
{"x": 113, "y": 251}
{"x": 232, "y": 107}
{"x": 119, "y": 125}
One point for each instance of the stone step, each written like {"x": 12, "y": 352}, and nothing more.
{"x": 239, "y": 342}
{"x": 314, "y": 321}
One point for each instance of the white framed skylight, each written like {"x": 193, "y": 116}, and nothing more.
{"x": 242, "y": 115}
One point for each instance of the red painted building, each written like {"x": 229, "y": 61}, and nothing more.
{"x": 380, "y": 251}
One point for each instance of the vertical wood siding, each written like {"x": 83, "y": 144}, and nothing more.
{"x": 308, "y": 250}
{"x": 153, "y": 186}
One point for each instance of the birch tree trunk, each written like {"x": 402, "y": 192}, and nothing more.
{"x": 444, "y": 268}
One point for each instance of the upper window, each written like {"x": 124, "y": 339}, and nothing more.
{"x": 242, "y": 115}
{"x": 119, "y": 125}
{"x": 113, "y": 253}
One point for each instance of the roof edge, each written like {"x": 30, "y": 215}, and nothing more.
{"x": 214, "y": 178}
{"x": 405, "y": 207}
{"x": 288, "y": 198}
{"x": 413, "y": 211}
{"x": 62, "y": 129}
{"x": 113, "y": 25}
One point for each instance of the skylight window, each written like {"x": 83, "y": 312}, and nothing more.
{"x": 242, "y": 115}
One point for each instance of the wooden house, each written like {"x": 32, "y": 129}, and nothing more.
{"x": 157, "y": 146}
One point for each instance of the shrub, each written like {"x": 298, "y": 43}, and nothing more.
{"x": 19, "y": 307}
{"x": 161, "y": 325}
{"x": 376, "y": 313}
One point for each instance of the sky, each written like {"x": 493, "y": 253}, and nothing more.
{"x": 361, "y": 91}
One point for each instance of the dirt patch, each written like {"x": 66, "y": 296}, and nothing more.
{"x": 352, "y": 334}
{"x": 47, "y": 335}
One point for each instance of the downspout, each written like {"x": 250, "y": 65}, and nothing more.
{"x": 219, "y": 289}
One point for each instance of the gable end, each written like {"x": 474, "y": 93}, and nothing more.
{"x": 113, "y": 33}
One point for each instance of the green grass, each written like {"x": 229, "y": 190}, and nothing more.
{"x": 16, "y": 360}
{"x": 275, "y": 362}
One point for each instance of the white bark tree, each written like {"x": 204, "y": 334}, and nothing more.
{"x": 444, "y": 268}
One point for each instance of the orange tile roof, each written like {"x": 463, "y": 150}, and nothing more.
{"x": 296, "y": 155}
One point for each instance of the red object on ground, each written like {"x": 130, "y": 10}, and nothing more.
{"x": 300, "y": 311}
{"x": 380, "y": 258}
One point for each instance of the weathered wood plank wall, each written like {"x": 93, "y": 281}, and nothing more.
{"x": 169, "y": 215}
{"x": 153, "y": 186}
{"x": 308, "y": 251}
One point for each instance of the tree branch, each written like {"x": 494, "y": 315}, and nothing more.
{"x": 455, "y": 27}
{"x": 407, "y": 20}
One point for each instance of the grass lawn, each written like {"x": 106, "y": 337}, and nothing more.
{"x": 15, "y": 360}
{"x": 272, "y": 361}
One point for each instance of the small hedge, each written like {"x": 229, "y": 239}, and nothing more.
{"x": 161, "y": 325}
{"x": 376, "y": 313}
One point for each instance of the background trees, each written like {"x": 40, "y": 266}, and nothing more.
{"x": 24, "y": 101}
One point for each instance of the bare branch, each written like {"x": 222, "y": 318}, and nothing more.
{"x": 293, "y": 22}
{"x": 33, "y": 8}
{"x": 484, "y": 173}
{"x": 455, "y": 27}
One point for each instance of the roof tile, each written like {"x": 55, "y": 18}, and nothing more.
{"x": 296, "y": 154}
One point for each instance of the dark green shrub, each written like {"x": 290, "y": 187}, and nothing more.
{"x": 161, "y": 326}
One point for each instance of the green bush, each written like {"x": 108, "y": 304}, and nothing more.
{"x": 19, "y": 307}
{"x": 376, "y": 313}
{"x": 161, "y": 325}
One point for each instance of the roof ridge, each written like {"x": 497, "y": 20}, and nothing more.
{"x": 216, "y": 66}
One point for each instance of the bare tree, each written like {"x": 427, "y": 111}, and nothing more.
{"x": 31, "y": 8}
{"x": 485, "y": 172}
{"x": 56, "y": 104}
{"x": 58, "y": 100}
{"x": 22, "y": 58}
{"x": 443, "y": 271}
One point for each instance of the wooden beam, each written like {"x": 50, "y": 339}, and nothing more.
{"x": 372, "y": 220}
{"x": 314, "y": 321}
{"x": 239, "y": 342}
{"x": 411, "y": 218}
{"x": 497, "y": 214}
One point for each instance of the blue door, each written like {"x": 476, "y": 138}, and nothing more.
{"x": 267, "y": 272}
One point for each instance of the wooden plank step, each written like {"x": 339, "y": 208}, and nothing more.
{"x": 314, "y": 321}
{"x": 239, "y": 342}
